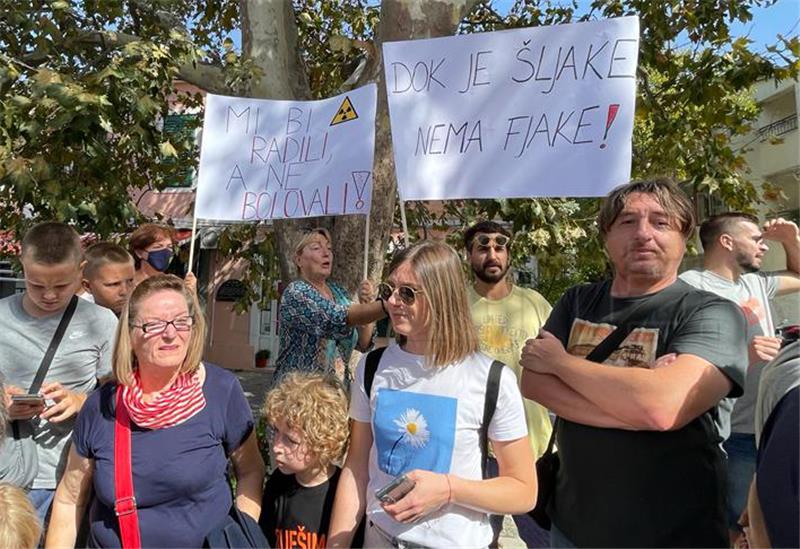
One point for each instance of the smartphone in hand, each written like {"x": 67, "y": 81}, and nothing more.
{"x": 397, "y": 488}
{"x": 29, "y": 399}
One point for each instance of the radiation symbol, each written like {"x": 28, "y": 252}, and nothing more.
{"x": 345, "y": 113}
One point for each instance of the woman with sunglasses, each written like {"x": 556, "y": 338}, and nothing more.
{"x": 422, "y": 419}
{"x": 185, "y": 418}
{"x": 318, "y": 325}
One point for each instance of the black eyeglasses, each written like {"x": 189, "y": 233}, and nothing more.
{"x": 181, "y": 324}
{"x": 407, "y": 294}
{"x": 484, "y": 240}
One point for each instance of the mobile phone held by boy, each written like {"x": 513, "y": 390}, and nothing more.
{"x": 309, "y": 428}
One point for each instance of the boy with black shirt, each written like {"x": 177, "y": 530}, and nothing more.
{"x": 308, "y": 417}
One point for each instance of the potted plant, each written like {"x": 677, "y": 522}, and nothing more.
{"x": 262, "y": 358}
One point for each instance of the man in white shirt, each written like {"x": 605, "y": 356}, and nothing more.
{"x": 734, "y": 245}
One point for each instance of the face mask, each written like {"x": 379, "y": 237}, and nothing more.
{"x": 160, "y": 259}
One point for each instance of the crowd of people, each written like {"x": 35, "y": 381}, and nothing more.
{"x": 675, "y": 403}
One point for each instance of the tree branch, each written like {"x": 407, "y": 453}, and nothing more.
{"x": 205, "y": 76}
{"x": 368, "y": 65}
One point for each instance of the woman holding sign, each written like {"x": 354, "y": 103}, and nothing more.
{"x": 319, "y": 326}
{"x": 152, "y": 247}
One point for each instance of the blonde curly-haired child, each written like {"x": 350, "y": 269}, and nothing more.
{"x": 309, "y": 424}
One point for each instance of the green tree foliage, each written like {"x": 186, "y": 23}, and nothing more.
{"x": 81, "y": 111}
{"x": 84, "y": 88}
{"x": 693, "y": 102}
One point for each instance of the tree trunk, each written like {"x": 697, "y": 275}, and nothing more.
{"x": 400, "y": 20}
{"x": 269, "y": 38}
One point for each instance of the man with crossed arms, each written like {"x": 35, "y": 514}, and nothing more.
{"x": 639, "y": 435}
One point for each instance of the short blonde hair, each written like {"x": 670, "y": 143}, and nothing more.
{"x": 19, "y": 524}
{"x": 124, "y": 357}
{"x": 101, "y": 254}
{"x": 317, "y": 406}
{"x": 308, "y": 238}
{"x": 452, "y": 335}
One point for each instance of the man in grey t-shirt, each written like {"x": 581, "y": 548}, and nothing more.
{"x": 51, "y": 257}
{"x": 734, "y": 246}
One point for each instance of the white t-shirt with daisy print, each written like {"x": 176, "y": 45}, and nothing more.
{"x": 430, "y": 418}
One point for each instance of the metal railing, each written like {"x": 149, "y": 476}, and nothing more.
{"x": 780, "y": 127}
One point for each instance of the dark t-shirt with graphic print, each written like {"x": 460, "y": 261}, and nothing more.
{"x": 297, "y": 516}
{"x": 620, "y": 488}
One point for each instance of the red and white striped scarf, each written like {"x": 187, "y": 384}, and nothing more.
{"x": 172, "y": 406}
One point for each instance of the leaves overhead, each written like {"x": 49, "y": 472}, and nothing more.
{"x": 85, "y": 87}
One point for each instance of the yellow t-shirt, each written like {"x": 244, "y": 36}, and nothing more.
{"x": 503, "y": 327}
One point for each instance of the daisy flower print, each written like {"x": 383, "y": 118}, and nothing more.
{"x": 414, "y": 431}
{"x": 413, "y": 428}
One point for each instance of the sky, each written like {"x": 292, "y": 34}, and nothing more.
{"x": 782, "y": 17}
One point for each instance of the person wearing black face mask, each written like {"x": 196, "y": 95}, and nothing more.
{"x": 152, "y": 248}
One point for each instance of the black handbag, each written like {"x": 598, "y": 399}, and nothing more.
{"x": 238, "y": 529}
{"x": 546, "y": 470}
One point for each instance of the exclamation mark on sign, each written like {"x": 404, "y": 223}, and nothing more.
{"x": 612, "y": 114}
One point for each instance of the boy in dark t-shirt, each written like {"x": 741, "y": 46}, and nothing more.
{"x": 308, "y": 417}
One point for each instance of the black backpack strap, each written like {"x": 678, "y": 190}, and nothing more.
{"x": 489, "y": 405}
{"x": 599, "y": 354}
{"x": 552, "y": 440}
{"x": 44, "y": 366}
{"x": 370, "y": 367}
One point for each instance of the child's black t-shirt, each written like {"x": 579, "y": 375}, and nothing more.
{"x": 296, "y": 516}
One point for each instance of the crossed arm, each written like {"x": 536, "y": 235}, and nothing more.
{"x": 662, "y": 398}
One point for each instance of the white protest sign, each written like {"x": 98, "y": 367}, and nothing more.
{"x": 544, "y": 111}
{"x": 264, "y": 159}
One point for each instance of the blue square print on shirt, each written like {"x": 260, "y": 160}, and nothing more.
{"x": 414, "y": 431}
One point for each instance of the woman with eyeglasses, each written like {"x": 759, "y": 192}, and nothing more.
{"x": 318, "y": 324}
{"x": 422, "y": 418}
{"x": 186, "y": 418}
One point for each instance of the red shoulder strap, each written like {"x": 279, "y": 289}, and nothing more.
{"x": 125, "y": 502}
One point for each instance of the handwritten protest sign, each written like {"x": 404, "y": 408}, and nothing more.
{"x": 263, "y": 159}
{"x": 545, "y": 111}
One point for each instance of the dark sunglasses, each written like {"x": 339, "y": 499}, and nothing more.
{"x": 407, "y": 294}
{"x": 499, "y": 240}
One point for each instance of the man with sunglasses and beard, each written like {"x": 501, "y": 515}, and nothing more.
{"x": 734, "y": 245}
{"x": 506, "y": 315}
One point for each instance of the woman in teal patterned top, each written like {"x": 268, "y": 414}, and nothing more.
{"x": 319, "y": 326}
